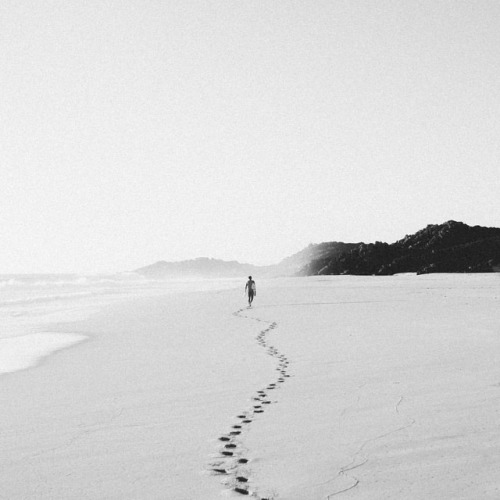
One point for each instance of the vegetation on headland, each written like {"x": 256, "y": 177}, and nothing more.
{"x": 452, "y": 247}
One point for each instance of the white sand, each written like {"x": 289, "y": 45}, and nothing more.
{"x": 394, "y": 392}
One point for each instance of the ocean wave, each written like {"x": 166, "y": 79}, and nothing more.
{"x": 43, "y": 299}
{"x": 43, "y": 281}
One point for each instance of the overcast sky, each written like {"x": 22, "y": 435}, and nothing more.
{"x": 133, "y": 131}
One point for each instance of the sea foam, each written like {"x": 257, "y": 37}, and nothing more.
{"x": 19, "y": 353}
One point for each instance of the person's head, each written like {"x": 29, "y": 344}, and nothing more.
{"x": 249, "y": 277}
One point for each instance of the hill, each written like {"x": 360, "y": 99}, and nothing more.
{"x": 450, "y": 247}
{"x": 319, "y": 254}
{"x": 213, "y": 268}
{"x": 200, "y": 268}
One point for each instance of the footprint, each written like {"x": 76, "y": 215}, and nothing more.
{"x": 242, "y": 491}
{"x": 220, "y": 471}
{"x": 236, "y": 475}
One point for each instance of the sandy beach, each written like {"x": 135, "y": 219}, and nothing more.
{"x": 157, "y": 155}
{"x": 329, "y": 387}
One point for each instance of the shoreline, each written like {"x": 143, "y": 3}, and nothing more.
{"x": 26, "y": 351}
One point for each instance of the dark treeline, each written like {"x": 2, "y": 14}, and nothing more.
{"x": 446, "y": 248}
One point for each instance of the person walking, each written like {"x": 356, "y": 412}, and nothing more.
{"x": 251, "y": 290}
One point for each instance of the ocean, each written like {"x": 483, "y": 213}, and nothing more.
{"x": 30, "y": 304}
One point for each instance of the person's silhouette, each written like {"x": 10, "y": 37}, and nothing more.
{"x": 250, "y": 289}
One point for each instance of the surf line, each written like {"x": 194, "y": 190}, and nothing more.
{"x": 232, "y": 463}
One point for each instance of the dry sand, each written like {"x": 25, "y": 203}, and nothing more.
{"x": 384, "y": 388}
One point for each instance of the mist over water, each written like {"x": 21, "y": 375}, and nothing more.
{"x": 29, "y": 302}
{"x": 35, "y": 307}
{"x": 33, "y": 303}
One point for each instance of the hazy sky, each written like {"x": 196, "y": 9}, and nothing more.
{"x": 133, "y": 131}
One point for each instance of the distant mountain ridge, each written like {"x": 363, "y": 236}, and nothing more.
{"x": 216, "y": 268}
{"x": 452, "y": 247}
{"x": 200, "y": 267}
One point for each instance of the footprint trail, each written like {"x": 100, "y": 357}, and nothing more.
{"x": 232, "y": 462}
